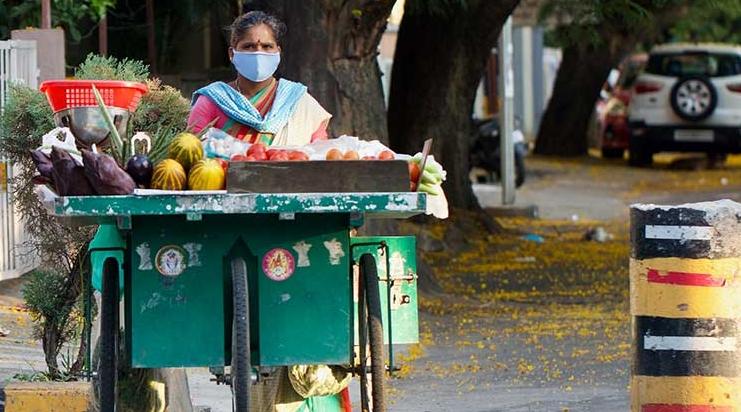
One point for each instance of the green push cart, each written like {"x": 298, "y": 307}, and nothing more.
{"x": 250, "y": 281}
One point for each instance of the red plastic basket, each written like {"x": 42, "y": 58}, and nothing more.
{"x": 68, "y": 94}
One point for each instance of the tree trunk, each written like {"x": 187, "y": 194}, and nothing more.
{"x": 584, "y": 68}
{"x": 439, "y": 61}
{"x": 331, "y": 46}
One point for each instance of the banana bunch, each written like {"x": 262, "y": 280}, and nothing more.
{"x": 433, "y": 175}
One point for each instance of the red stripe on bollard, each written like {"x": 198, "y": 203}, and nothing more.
{"x": 685, "y": 279}
{"x": 654, "y": 407}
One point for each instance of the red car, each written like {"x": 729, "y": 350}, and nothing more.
{"x": 613, "y": 111}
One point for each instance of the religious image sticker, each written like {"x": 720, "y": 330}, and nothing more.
{"x": 171, "y": 260}
{"x": 278, "y": 264}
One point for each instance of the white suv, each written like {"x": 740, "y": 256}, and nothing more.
{"x": 688, "y": 99}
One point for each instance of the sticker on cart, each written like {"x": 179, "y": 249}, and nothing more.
{"x": 145, "y": 256}
{"x": 278, "y": 264}
{"x": 302, "y": 248}
{"x": 194, "y": 254}
{"x": 336, "y": 253}
{"x": 170, "y": 260}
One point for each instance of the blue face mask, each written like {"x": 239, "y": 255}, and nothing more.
{"x": 256, "y": 66}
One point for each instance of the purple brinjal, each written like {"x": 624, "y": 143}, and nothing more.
{"x": 106, "y": 175}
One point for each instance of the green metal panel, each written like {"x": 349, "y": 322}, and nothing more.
{"x": 402, "y": 263}
{"x": 185, "y": 319}
{"x": 399, "y": 205}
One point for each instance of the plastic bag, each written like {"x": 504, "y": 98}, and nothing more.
{"x": 69, "y": 144}
{"x": 222, "y": 145}
{"x": 345, "y": 143}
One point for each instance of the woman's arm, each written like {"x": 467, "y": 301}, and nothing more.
{"x": 321, "y": 132}
{"x": 203, "y": 113}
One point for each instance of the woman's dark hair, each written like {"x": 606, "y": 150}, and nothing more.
{"x": 254, "y": 18}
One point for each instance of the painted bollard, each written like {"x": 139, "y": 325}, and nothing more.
{"x": 685, "y": 301}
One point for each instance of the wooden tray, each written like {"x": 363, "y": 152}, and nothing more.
{"x": 332, "y": 176}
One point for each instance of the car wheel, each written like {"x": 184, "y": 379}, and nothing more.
{"x": 694, "y": 98}
{"x": 612, "y": 153}
{"x": 640, "y": 154}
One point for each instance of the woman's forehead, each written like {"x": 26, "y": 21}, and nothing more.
{"x": 260, "y": 33}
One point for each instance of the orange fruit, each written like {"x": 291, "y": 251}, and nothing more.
{"x": 386, "y": 155}
{"x": 334, "y": 154}
{"x": 351, "y": 155}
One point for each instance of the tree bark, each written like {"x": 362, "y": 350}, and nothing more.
{"x": 584, "y": 68}
{"x": 331, "y": 46}
{"x": 439, "y": 60}
{"x": 564, "y": 125}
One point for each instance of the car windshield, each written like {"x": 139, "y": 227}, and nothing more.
{"x": 694, "y": 64}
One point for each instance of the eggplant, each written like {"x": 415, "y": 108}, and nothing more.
{"x": 43, "y": 163}
{"x": 139, "y": 167}
{"x": 105, "y": 175}
{"x": 69, "y": 176}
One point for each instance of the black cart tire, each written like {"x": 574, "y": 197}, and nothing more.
{"x": 372, "y": 324}
{"x": 109, "y": 327}
{"x": 241, "y": 369}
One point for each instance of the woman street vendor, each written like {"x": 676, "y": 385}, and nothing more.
{"x": 258, "y": 108}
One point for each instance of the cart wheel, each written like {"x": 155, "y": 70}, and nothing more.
{"x": 109, "y": 326}
{"x": 371, "y": 333}
{"x": 240, "y": 365}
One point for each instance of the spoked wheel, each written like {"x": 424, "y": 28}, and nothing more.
{"x": 240, "y": 365}
{"x": 370, "y": 331}
{"x": 109, "y": 326}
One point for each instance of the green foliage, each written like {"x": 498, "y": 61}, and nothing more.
{"x": 711, "y": 21}
{"x": 48, "y": 308}
{"x": 69, "y": 14}
{"x": 580, "y": 21}
{"x": 26, "y": 117}
{"x": 162, "y": 113}
{"x": 97, "y": 67}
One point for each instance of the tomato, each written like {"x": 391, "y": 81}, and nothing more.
{"x": 386, "y": 155}
{"x": 251, "y": 158}
{"x": 239, "y": 158}
{"x": 351, "y": 155}
{"x": 280, "y": 156}
{"x": 412, "y": 187}
{"x": 259, "y": 156}
{"x": 272, "y": 152}
{"x": 256, "y": 148}
{"x": 297, "y": 155}
{"x": 413, "y": 171}
{"x": 334, "y": 154}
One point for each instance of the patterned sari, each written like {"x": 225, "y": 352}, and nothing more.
{"x": 262, "y": 101}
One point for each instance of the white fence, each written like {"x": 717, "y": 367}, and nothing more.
{"x": 17, "y": 64}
